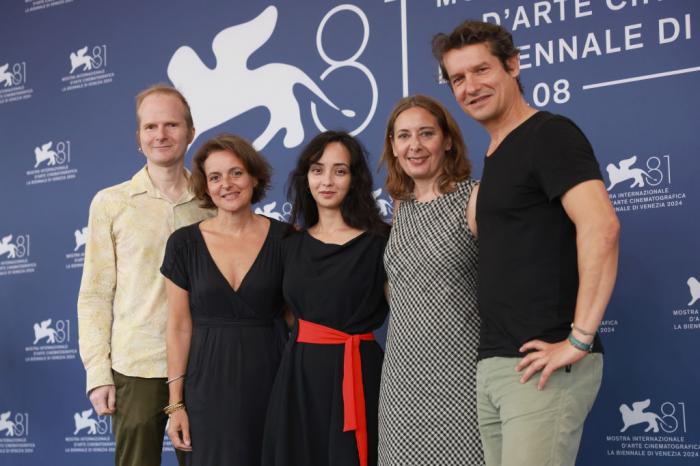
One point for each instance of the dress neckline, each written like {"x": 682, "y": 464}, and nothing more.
{"x": 210, "y": 257}
{"x": 354, "y": 238}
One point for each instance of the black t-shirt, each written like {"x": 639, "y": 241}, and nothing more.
{"x": 528, "y": 276}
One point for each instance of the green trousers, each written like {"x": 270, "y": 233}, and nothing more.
{"x": 523, "y": 426}
{"x": 139, "y": 422}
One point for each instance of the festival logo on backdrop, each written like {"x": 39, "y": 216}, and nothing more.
{"x": 687, "y": 316}
{"x": 269, "y": 210}
{"x": 14, "y": 433}
{"x": 6, "y": 424}
{"x": 15, "y": 253}
{"x": 76, "y": 258}
{"x": 90, "y": 433}
{"x": 652, "y": 429}
{"x": 13, "y": 80}
{"x": 51, "y": 163}
{"x": 87, "y": 67}
{"x": 694, "y": 286}
{"x": 637, "y": 184}
{"x": 385, "y": 206}
{"x": 51, "y": 341}
{"x": 217, "y": 95}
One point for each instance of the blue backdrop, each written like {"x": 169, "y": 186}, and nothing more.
{"x": 625, "y": 70}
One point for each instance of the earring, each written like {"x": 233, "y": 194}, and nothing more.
{"x": 139, "y": 149}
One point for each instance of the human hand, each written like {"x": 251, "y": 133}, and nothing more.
{"x": 103, "y": 399}
{"x": 179, "y": 430}
{"x": 546, "y": 357}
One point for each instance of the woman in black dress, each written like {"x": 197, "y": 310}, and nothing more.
{"x": 323, "y": 407}
{"x": 224, "y": 279}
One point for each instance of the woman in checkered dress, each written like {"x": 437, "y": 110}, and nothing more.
{"x": 427, "y": 408}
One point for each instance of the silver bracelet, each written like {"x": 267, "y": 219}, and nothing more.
{"x": 168, "y": 382}
{"x": 581, "y": 331}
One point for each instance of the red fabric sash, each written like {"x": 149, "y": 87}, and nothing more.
{"x": 354, "y": 416}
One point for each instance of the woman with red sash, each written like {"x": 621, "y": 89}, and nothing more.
{"x": 323, "y": 407}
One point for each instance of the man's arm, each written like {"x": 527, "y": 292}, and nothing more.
{"x": 597, "y": 237}
{"x": 95, "y": 301}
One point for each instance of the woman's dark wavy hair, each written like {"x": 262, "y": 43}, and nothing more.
{"x": 358, "y": 209}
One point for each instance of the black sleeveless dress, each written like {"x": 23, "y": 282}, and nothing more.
{"x": 342, "y": 287}
{"x": 237, "y": 340}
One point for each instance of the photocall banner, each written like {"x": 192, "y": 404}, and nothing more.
{"x": 626, "y": 71}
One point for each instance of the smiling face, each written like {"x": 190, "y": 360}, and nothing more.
{"x": 419, "y": 144}
{"x": 484, "y": 89}
{"x": 329, "y": 177}
{"x": 163, "y": 133}
{"x": 229, "y": 184}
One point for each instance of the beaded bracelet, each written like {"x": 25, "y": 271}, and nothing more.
{"x": 578, "y": 344}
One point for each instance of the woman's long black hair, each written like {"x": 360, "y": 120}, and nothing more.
{"x": 358, "y": 209}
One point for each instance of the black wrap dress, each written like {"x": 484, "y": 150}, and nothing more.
{"x": 237, "y": 340}
{"x": 339, "y": 288}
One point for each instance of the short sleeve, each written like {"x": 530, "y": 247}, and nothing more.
{"x": 563, "y": 157}
{"x": 173, "y": 267}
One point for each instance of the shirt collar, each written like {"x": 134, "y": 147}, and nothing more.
{"x": 141, "y": 184}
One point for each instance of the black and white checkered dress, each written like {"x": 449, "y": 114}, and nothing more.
{"x": 427, "y": 406}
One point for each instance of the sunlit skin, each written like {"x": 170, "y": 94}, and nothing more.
{"x": 163, "y": 134}
{"x": 485, "y": 90}
{"x": 329, "y": 177}
{"x": 419, "y": 145}
{"x": 229, "y": 184}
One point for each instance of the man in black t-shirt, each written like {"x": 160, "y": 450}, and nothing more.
{"x": 548, "y": 247}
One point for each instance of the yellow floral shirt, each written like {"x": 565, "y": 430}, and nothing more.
{"x": 122, "y": 308}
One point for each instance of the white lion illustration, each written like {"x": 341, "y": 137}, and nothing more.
{"x": 80, "y": 238}
{"x": 44, "y": 331}
{"x": 79, "y": 58}
{"x": 636, "y": 415}
{"x": 231, "y": 88}
{"x": 625, "y": 172}
{"x": 694, "y": 286}
{"x": 7, "y": 424}
{"x": 8, "y": 248}
{"x": 45, "y": 153}
{"x": 83, "y": 421}
{"x": 6, "y": 76}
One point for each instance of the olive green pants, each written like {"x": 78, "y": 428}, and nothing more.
{"x": 523, "y": 426}
{"x": 139, "y": 422}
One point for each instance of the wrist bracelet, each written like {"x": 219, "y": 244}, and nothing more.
{"x": 582, "y": 331}
{"x": 171, "y": 408}
{"x": 578, "y": 344}
{"x": 169, "y": 381}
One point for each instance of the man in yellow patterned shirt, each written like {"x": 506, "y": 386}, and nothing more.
{"x": 122, "y": 308}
